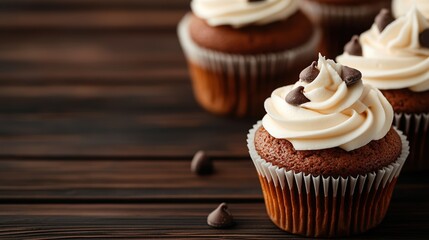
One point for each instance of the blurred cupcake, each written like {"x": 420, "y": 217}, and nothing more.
{"x": 401, "y": 7}
{"x": 239, "y": 51}
{"x": 341, "y": 19}
{"x": 326, "y": 154}
{"x": 394, "y": 57}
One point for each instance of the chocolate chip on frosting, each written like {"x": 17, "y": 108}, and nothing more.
{"x": 296, "y": 97}
{"x": 309, "y": 73}
{"x": 220, "y": 217}
{"x": 201, "y": 164}
{"x": 424, "y": 38}
{"x": 353, "y": 47}
{"x": 383, "y": 19}
{"x": 350, "y": 75}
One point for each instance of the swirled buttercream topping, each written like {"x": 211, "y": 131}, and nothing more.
{"x": 401, "y": 7}
{"x": 337, "y": 114}
{"x": 396, "y": 57}
{"x": 239, "y": 13}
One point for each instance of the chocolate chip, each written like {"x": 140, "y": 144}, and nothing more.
{"x": 296, "y": 97}
{"x": 383, "y": 19}
{"x": 424, "y": 38}
{"x": 220, "y": 217}
{"x": 353, "y": 47}
{"x": 256, "y": 0}
{"x": 309, "y": 73}
{"x": 350, "y": 75}
{"x": 201, "y": 164}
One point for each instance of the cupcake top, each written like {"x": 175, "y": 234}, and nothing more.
{"x": 240, "y": 13}
{"x": 401, "y": 7}
{"x": 328, "y": 107}
{"x": 393, "y": 54}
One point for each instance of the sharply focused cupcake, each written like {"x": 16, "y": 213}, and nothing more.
{"x": 238, "y": 51}
{"x": 326, "y": 154}
{"x": 401, "y": 7}
{"x": 393, "y": 56}
{"x": 341, "y": 19}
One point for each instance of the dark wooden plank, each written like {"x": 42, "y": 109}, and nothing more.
{"x": 91, "y": 19}
{"x": 112, "y": 120}
{"x": 105, "y": 58}
{"x": 90, "y": 4}
{"x": 137, "y": 180}
{"x": 108, "y": 14}
{"x": 147, "y": 180}
{"x": 178, "y": 221}
{"x": 87, "y": 119}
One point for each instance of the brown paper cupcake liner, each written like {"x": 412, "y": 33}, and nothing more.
{"x": 339, "y": 23}
{"x": 232, "y": 84}
{"x": 415, "y": 126}
{"x": 317, "y": 206}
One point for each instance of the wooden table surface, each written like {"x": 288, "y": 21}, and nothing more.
{"x": 98, "y": 126}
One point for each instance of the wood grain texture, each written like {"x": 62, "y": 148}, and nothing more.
{"x": 149, "y": 179}
{"x": 120, "y": 133}
{"x": 91, "y": 15}
{"x": 119, "y": 58}
{"x": 176, "y": 221}
{"x": 104, "y": 93}
{"x": 91, "y": 4}
{"x": 90, "y": 20}
{"x": 105, "y": 180}
{"x": 98, "y": 125}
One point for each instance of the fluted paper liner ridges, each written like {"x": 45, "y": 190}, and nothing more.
{"x": 416, "y": 127}
{"x": 320, "y": 206}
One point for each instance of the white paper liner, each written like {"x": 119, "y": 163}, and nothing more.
{"x": 321, "y": 13}
{"x": 416, "y": 127}
{"x": 240, "y": 83}
{"x": 339, "y": 189}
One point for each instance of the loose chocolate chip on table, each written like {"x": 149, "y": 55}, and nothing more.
{"x": 383, "y": 19}
{"x": 296, "y": 97}
{"x": 353, "y": 47}
{"x": 201, "y": 164}
{"x": 424, "y": 38}
{"x": 350, "y": 75}
{"x": 309, "y": 73}
{"x": 220, "y": 217}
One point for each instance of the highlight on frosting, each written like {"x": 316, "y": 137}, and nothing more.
{"x": 338, "y": 114}
{"x": 239, "y": 13}
{"x": 397, "y": 57}
{"x": 401, "y": 7}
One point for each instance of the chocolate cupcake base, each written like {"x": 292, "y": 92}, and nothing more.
{"x": 318, "y": 206}
{"x": 237, "y": 85}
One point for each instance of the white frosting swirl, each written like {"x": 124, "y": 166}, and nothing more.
{"x": 337, "y": 115}
{"x": 394, "y": 58}
{"x": 239, "y": 13}
{"x": 401, "y": 7}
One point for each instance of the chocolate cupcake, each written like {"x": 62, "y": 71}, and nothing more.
{"x": 341, "y": 19}
{"x": 326, "y": 154}
{"x": 395, "y": 59}
{"x": 401, "y": 7}
{"x": 239, "y": 51}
